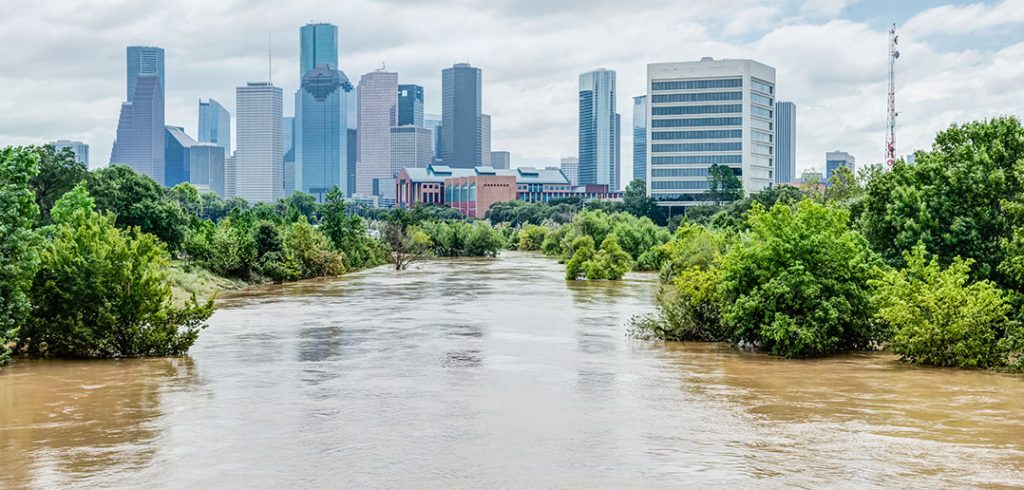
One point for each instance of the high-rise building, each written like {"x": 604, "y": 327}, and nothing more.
{"x": 410, "y": 147}
{"x": 230, "y": 177}
{"x": 321, "y": 139}
{"x": 353, "y": 153}
{"x": 785, "y": 142}
{"x": 640, "y": 138}
{"x": 288, "y": 143}
{"x": 318, "y": 44}
{"x": 433, "y": 123}
{"x": 461, "y": 103}
{"x": 705, "y": 113}
{"x": 571, "y": 168}
{"x": 214, "y": 124}
{"x": 616, "y": 184}
{"x": 144, "y": 60}
{"x": 485, "y": 139}
{"x": 598, "y": 136}
{"x": 836, "y": 159}
{"x": 177, "y": 150}
{"x": 259, "y": 157}
{"x": 410, "y": 105}
{"x": 80, "y": 150}
{"x": 139, "y": 142}
{"x": 377, "y": 112}
{"x": 501, "y": 160}
{"x": 206, "y": 168}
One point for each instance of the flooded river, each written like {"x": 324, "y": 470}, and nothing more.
{"x": 493, "y": 374}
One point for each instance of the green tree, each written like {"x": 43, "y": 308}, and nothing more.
{"x": 532, "y": 236}
{"x": 138, "y": 201}
{"x": 636, "y": 202}
{"x": 58, "y": 173}
{"x": 103, "y": 292}
{"x": 298, "y": 205}
{"x": 797, "y": 284}
{"x": 610, "y": 262}
{"x": 723, "y": 185}
{"x": 582, "y": 252}
{"x": 842, "y": 187}
{"x": 311, "y": 251}
{"x": 18, "y": 256}
{"x": 348, "y": 232}
{"x": 187, "y": 196}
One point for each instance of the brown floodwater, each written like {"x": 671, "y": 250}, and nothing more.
{"x": 493, "y": 374}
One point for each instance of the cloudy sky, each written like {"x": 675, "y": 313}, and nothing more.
{"x": 63, "y": 60}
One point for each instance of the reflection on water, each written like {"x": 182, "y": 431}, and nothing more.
{"x": 493, "y": 373}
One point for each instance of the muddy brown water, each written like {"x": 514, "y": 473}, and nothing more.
{"x": 493, "y": 374}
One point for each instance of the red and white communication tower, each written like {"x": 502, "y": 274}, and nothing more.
{"x": 890, "y": 130}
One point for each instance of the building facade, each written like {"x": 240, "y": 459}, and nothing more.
{"x": 377, "y": 113}
{"x": 705, "y": 113}
{"x": 433, "y": 123}
{"x": 206, "y": 168}
{"x": 353, "y": 153}
{"x": 177, "y": 150}
{"x": 410, "y": 147}
{"x": 144, "y": 60}
{"x": 78, "y": 148}
{"x": 597, "y": 128}
{"x": 785, "y": 143}
{"x": 485, "y": 139}
{"x": 501, "y": 160}
{"x": 318, "y": 44}
{"x": 139, "y": 142}
{"x": 836, "y": 159}
{"x": 461, "y": 116}
{"x": 214, "y": 124}
{"x": 571, "y": 168}
{"x": 410, "y": 105}
{"x": 321, "y": 140}
{"x": 288, "y": 143}
{"x": 259, "y": 157}
{"x": 640, "y": 138}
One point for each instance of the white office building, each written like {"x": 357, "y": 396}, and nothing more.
{"x": 704, "y": 113}
{"x": 571, "y": 168}
{"x": 377, "y": 113}
{"x": 259, "y": 156}
{"x": 411, "y": 146}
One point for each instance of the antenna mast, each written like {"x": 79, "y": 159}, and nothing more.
{"x": 890, "y": 130}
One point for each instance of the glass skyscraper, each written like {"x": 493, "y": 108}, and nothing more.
{"x": 410, "y": 105}
{"x": 258, "y": 161}
{"x": 433, "y": 123}
{"x": 215, "y": 124}
{"x": 321, "y": 138}
{"x": 640, "y": 138}
{"x": 144, "y": 60}
{"x": 177, "y": 150}
{"x": 598, "y": 129}
{"x": 461, "y": 105}
{"x": 377, "y": 113}
{"x": 785, "y": 142}
{"x": 139, "y": 142}
{"x": 318, "y": 44}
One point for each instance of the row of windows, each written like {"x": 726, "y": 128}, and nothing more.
{"x": 698, "y": 84}
{"x": 761, "y": 124}
{"x": 762, "y": 86}
{"x": 698, "y": 97}
{"x": 760, "y": 99}
{"x": 698, "y": 160}
{"x": 679, "y": 184}
{"x": 697, "y": 135}
{"x": 697, "y": 122}
{"x": 700, "y": 109}
{"x": 761, "y": 148}
{"x": 696, "y": 147}
{"x": 759, "y": 136}
{"x": 686, "y": 172}
{"x": 690, "y": 197}
{"x": 761, "y": 111}
{"x": 762, "y": 161}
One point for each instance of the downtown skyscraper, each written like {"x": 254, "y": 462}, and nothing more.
{"x": 377, "y": 112}
{"x": 139, "y": 142}
{"x": 215, "y": 124}
{"x": 259, "y": 158}
{"x": 410, "y": 105}
{"x": 318, "y": 44}
{"x": 321, "y": 132}
{"x": 785, "y": 142}
{"x": 640, "y": 138}
{"x": 598, "y": 129}
{"x": 461, "y": 116}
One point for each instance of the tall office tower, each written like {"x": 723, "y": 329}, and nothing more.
{"x": 80, "y": 150}
{"x": 410, "y": 147}
{"x": 597, "y": 128}
{"x": 433, "y": 123}
{"x": 571, "y": 168}
{"x": 377, "y": 112}
{"x": 144, "y": 60}
{"x": 321, "y": 140}
{"x": 288, "y": 143}
{"x": 318, "y": 44}
{"x": 785, "y": 142}
{"x": 206, "y": 167}
{"x": 214, "y": 124}
{"x": 640, "y": 138}
{"x": 485, "y": 139}
{"x": 616, "y": 184}
{"x": 836, "y": 159}
{"x": 410, "y": 105}
{"x": 177, "y": 150}
{"x": 501, "y": 159}
{"x": 461, "y": 132}
{"x": 258, "y": 162}
{"x": 704, "y": 113}
{"x": 139, "y": 142}
{"x": 230, "y": 177}
{"x": 353, "y": 153}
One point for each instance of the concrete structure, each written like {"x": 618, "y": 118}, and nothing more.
{"x": 177, "y": 150}
{"x": 411, "y": 146}
{"x": 318, "y": 44}
{"x": 78, "y": 148}
{"x": 485, "y": 139}
{"x": 433, "y": 123}
{"x": 704, "y": 113}
{"x": 214, "y": 124}
{"x": 598, "y": 135}
{"x": 640, "y": 138}
{"x": 410, "y": 105}
{"x": 571, "y": 168}
{"x": 461, "y": 104}
{"x": 377, "y": 113}
{"x": 144, "y": 60}
{"x": 321, "y": 141}
{"x": 501, "y": 160}
{"x": 140, "y": 129}
{"x": 785, "y": 142}
{"x": 206, "y": 168}
{"x": 259, "y": 159}
{"x": 836, "y": 159}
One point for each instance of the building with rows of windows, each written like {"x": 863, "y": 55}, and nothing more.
{"x": 705, "y": 113}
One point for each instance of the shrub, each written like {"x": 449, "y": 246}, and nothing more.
{"x": 582, "y": 251}
{"x": 18, "y": 256}
{"x": 532, "y": 236}
{"x": 311, "y": 252}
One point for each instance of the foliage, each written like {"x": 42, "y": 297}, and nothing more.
{"x": 103, "y": 292}
{"x": 464, "y": 239}
{"x": 58, "y": 173}
{"x": 723, "y": 185}
{"x": 692, "y": 246}
{"x": 610, "y": 262}
{"x": 532, "y": 236}
{"x": 298, "y": 206}
{"x": 311, "y": 251}
{"x": 581, "y": 252}
{"x": 138, "y": 201}
{"x": 797, "y": 284}
{"x": 690, "y": 309}
{"x": 348, "y": 233}
{"x": 734, "y": 215}
{"x": 939, "y": 318}
{"x": 635, "y": 201}
{"x": 18, "y": 255}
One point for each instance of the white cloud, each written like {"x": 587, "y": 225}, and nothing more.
{"x": 966, "y": 19}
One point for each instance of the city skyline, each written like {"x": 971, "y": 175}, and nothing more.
{"x": 531, "y": 100}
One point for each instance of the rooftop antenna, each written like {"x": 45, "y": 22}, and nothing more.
{"x": 890, "y": 134}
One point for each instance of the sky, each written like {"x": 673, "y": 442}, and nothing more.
{"x": 64, "y": 61}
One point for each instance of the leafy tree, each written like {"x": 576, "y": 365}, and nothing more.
{"x": 58, "y": 173}
{"x": 723, "y": 185}
{"x": 103, "y": 292}
{"x": 215, "y": 209}
{"x": 939, "y": 318}
{"x": 18, "y": 256}
{"x": 610, "y": 262}
{"x": 232, "y": 250}
{"x": 463, "y": 239}
{"x": 348, "y": 232}
{"x": 797, "y": 284}
{"x": 311, "y": 251}
{"x": 582, "y": 252}
{"x": 138, "y": 201}
{"x": 298, "y": 205}
{"x": 187, "y": 196}
{"x": 636, "y": 202}
{"x": 690, "y": 309}
{"x": 532, "y": 236}
{"x": 842, "y": 187}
